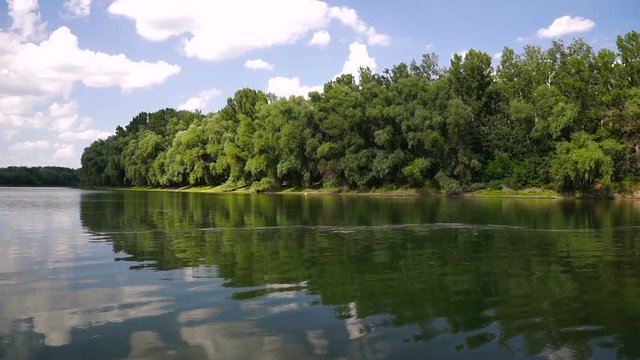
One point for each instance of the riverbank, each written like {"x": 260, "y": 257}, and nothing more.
{"x": 484, "y": 193}
{"x": 531, "y": 193}
{"x": 223, "y": 189}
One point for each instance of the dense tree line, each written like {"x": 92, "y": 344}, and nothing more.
{"x": 566, "y": 116}
{"x": 38, "y": 176}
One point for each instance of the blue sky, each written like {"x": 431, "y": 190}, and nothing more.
{"x": 72, "y": 70}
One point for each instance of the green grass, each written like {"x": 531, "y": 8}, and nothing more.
{"x": 538, "y": 193}
{"x": 227, "y": 188}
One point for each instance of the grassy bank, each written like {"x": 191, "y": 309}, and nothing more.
{"x": 508, "y": 193}
{"x": 502, "y": 193}
{"x": 284, "y": 191}
{"x": 620, "y": 192}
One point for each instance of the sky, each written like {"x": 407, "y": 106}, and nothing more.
{"x": 73, "y": 70}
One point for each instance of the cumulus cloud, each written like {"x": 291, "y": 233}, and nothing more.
{"x": 30, "y": 146}
{"x": 200, "y": 102}
{"x": 89, "y": 135}
{"x": 56, "y": 64}
{"x": 358, "y": 58}
{"x": 39, "y": 148}
{"x": 349, "y": 17}
{"x": 25, "y": 18}
{"x": 78, "y": 8}
{"x": 44, "y": 153}
{"x": 65, "y": 120}
{"x": 320, "y": 38}
{"x": 219, "y": 30}
{"x": 566, "y": 25}
{"x": 41, "y": 153}
{"x": 64, "y": 151}
{"x": 285, "y": 87}
{"x": 38, "y": 72}
{"x": 12, "y": 123}
{"x": 34, "y": 74}
{"x": 64, "y": 117}
{"x": 258, "y": 64}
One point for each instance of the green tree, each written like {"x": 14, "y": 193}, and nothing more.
{"x": 583, "y": 163}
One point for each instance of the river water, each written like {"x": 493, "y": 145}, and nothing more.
{"x": 161, "y": 275}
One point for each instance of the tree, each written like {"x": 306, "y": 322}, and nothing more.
{"x": 551, "y": 115}
{"x": 187, "y": 161}
{"x": 138, "y": 157}
{"x": 629, "y": 50}
{"x": 583, "y": 163}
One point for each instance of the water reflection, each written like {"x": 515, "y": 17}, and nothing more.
{"x": 232, "y": 276}
{"x": 475, "y": 277}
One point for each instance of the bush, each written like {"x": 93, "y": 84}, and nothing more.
{"x": 447, "y": 184}
{"x": 415, "y": 172}
{"x": 475, "y": 187}
{"x": 265, "y": 184}
{"x": 582, "y": 163}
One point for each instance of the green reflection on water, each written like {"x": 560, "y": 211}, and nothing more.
{"x": 557, "y": 279}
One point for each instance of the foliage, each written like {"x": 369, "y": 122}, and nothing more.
{"x": 446, "y": 183}
{"x": 583, "y": 163}
{"x": 38, "y": 176}
{"x": 565, "y": 115}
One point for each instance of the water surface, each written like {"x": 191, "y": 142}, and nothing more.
{"x": 139, "y": 275}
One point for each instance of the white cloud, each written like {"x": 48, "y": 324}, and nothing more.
{"x": 358, "y": 57}
{"x": 258, "y": 64}
{"x": 89, "y": 135}
{"x": 566, "y": 25}
{"x": 349, "y": 17}
{"x": 219, "y": 30}
{"x": 54, "y": 65}
{"x": 43, "y": 153}
{"x": 26, "y": 146}
{"x": 64, "y": 151}
{"x": 32, "y": 75}
{"x": 25, "y": 18}
{"x": 38, "y": 153}
{"x": 78, "y": 8}
{"x": 11, "y": 124}
{"x": 26, "y": 153}
{"x": 36, "y": 81}
{"x": 285, "y": 87}
{"x": 62, "y": 119}
{"x": 65, "y": 120}
{"x": 199, "y": 102}
{"x": 320, "y": 38}
{"x": 373, "y": 38}
{"x": 497, "y": 56}
{"x": 428, "y": 46}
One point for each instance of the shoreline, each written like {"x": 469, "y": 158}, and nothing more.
{"x": 531, "y": 193}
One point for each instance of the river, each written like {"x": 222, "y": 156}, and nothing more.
{"x": 163, "y": 275}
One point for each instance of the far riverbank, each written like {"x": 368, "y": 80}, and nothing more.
{"x": 532, "y": 193}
